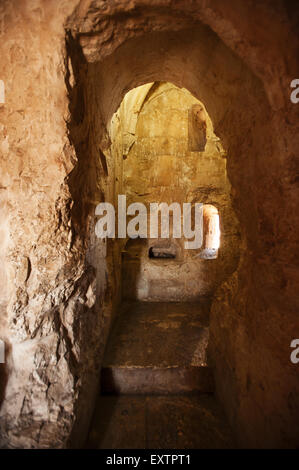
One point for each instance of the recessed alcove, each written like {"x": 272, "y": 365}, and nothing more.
{"x": 162, "y": 252}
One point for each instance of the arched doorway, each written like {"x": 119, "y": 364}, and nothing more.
{"x": 163, "y": 139}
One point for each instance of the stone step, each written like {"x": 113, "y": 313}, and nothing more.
{"x": 158, "y": 348}
{"x": 156, "y": 380}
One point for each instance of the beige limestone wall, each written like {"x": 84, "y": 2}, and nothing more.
{"x": 57, "y": 295}
{"x": 35, "y": 160}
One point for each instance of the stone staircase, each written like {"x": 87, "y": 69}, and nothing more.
{"x": 155, "y": 365}
{"x": 158, "y": 348}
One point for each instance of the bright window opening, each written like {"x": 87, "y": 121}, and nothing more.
{"x": 211, "y": 232}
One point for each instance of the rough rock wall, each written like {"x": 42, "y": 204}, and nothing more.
{"x": 54, "y": 314}
{"x": 40, "y": 283}
{"x": 240, "y": 67}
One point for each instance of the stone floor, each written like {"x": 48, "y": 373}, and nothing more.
{"x": 159, "y": 422}
{"x": 156, "y": 385}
